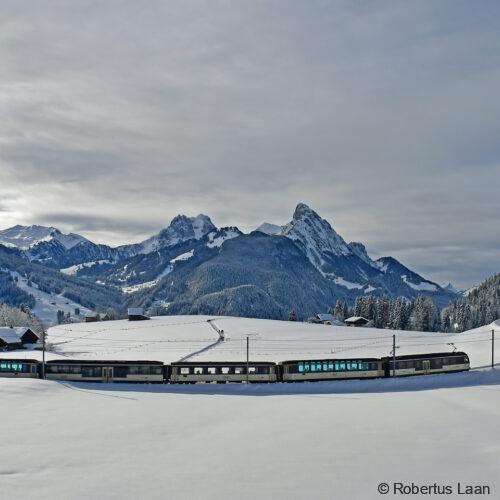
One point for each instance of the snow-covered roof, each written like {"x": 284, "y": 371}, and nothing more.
{"x": 355, "y": 319}
{"x": 10, "y": 335}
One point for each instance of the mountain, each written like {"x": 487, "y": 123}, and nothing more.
{"x": 181, "y": 229}
{"x": 193, "y": 267}
{"x": 26, "y": 237}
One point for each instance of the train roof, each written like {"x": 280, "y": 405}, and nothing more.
{"x": 222, "y": 363}
{"x": 431, "y": 355}
{"x": 99, "y": 362}
{"x": 328, "y": 359}
{"x": 14, "y": 360}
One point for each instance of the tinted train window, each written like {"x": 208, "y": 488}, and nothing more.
{"x": 120, "y": 371}
{"x": 91, "y": 371}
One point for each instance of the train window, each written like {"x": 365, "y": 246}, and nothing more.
{"x": 91, "y": 371}
{"x": 157, "y": 370}
{"x": 75, "y": 369}
{"x": 301, "y": 367}
{"x": 330, "y": 366}
{"x": 251, "y": 369}
{"x": 238, "y": 370}
{"x": 184, "y": 370}
{"x": 198, "y": 370}
{"x": 211, "y": 370}
{"x": 225, "y": 370}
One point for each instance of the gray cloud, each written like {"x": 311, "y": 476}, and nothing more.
{"x": 116, "y": 116}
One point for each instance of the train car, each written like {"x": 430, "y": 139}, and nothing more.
{"x": 19, "y": 368}
{"x": 330, "y": 369}
{"x": 192, "y": 372}
{"x": 106, "y": 371}
{"x": 426, "y": 364}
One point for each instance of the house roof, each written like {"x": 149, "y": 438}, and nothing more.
{"x": 9, "y": 335}
{"x": 330, "y": 318}
{"x": 355, "y": 319}
{"x": 14, "y": 335}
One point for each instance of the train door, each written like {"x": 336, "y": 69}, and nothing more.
{"x": 426, "y": 366}
{"x": 107, "y": 374}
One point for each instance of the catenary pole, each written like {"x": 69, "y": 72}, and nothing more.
{"x": 248, "y": 357}
{"x": 394, "y": 355}
{"x": 43, "y": 354}
{"x": 493, "y": 348}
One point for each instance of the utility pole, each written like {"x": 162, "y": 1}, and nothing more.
{"x": 492, "y": 348}
{"x": 248, "y": 356}
{"x": 43, "y": 354}
{"x": 394, "y": 355}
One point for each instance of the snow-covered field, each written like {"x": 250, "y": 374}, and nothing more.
{"x": 293, "y": 441}
{"x": 170, "y": 338}
{"x": 324, "y": 440}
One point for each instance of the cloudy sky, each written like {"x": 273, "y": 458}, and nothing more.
{"x": 382, "y": 116}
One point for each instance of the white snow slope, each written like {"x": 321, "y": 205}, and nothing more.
{"x": 169, "y": 338}
{"x": 47, "y": 305}
{"x": 282, "y": 441}
{"x": 299, "y": 441}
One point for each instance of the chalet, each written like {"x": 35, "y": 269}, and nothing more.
{"x": 16, "y": 338}
{"x": 357, "y": 321}
{"x": 328, "y": 319}
{"x": 92, "y": 318}
{"x": 136, "y": 314}
{"x": 27, "y": 335}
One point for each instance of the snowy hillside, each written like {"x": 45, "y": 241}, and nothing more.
{"x": 47, "y": 304}
{"x": 170, "y": 338}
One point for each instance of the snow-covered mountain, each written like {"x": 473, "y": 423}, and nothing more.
{"x": 181, "y": 229}
{"x": 26, "y": 237}
{"x": 304, "y": 264}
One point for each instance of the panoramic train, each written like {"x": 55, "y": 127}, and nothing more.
{"x": 191, "y": 372}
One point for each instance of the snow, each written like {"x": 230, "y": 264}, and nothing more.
{"x": 423, "y": 286}
{"x": 148, "y": 284}
{"x": 216, "y": 240}
{"x": 72, "y": 270}
{"x": 347, "y": 284}
{"x": 47, "y": 305}
{"x": 182, "y": 256}
{"x": 333, "y": 439}
{"x": 25, "y": 237}
{"x": 294, "y": 441}
{"x": 369, "y": 289}
{"x": 170, "y": 338}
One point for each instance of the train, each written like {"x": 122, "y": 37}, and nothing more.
{"x": 192, "y": 372}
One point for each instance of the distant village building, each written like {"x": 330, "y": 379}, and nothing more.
{"x": 329, "y": 319}
{"x": 16, "y": 338}
{"x": 357, "y": 321}
{"x": 136, "y": 314}
{"x": 325, "y": 319}
{"x": 92, "y": 318}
